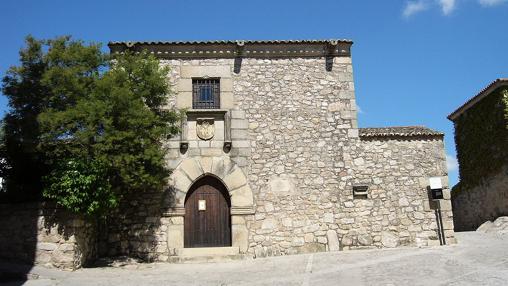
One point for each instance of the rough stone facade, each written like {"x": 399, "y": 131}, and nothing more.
{"x": 289, "y": 151}
{"x": 398, "y": 211}
{"x": 39, "y": 233}
{"x": 485, "y": 202}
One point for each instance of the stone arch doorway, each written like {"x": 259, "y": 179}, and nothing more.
{"x": 185, "y": 175}
{"x": 207, "y": 220}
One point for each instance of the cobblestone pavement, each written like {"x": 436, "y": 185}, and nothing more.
{"x": 478, "y": 259}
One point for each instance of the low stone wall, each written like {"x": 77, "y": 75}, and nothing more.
{"x": 398, "y": 210}
{"x": 138, "y": 228}
{"x": 38, "y": 233}
{"x": 488, "y": 201}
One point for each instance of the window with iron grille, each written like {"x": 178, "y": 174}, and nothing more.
{"x": 205, "y": 93}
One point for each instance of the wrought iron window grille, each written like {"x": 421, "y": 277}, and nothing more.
{"x": 206, "y": 93}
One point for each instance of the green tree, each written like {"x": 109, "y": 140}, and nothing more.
{"x": 505, "y": 101}
{"x": 100, "y": 123}
{"x": 22, "y": 85}
{"x": 3, "y": 161}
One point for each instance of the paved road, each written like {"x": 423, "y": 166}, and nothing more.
{"x": 478, "y": 259}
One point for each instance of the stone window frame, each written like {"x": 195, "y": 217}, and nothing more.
{"x": 188, "y": 72}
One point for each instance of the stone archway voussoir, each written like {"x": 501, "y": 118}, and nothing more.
{"x": 221, "y": 166}
{"x": 235, "y": 179}
{"x": 180, "y": 181}
{"x": 192, "y": 168}
{"x": 242, "y": 197}
{"x": 206, "y": 164}
{"x": 180, "y": 198}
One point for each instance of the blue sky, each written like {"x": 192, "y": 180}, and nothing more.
{"x": 414, "y": 61}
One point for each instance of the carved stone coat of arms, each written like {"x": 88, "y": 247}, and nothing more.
{"x": 205, "y": 128}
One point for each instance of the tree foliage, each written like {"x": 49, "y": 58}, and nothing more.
{"x": 22, "y": 85}
{"x": 505, "y": 101}
{"x": 90, "y": 125}
{"x": 81, "y": 186}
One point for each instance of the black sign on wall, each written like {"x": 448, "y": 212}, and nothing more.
{"x": 436, "y": 194}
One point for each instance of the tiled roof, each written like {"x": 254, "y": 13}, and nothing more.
{"x": 479, "y": 96}
{"x": 398, "y": 131}
{"x": 227, "y": 42}
{"x": 240, "y": 48}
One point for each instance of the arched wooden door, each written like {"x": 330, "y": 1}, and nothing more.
{"x": 207, "y": 214}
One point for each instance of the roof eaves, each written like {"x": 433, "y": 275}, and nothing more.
{"x": 235, "y": 49}
{"x": 227, "y": 42}
{"x": 399, "y": 131}
{"x": 479, "y": 96}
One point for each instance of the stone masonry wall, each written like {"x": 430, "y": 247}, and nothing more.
{"x": 291, "y": 123}
{"x": 302, "y": 120}
{"x": 38, "y": 233}
{"x": 398, "y": 210}
{"x": 294, "y": 135}
{"x": 488, "y": 201}
{"x": 138, "y": 228}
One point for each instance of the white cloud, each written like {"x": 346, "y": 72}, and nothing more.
{"x": 490, "y": 3}
{"x": 451, "y": 163}
{"x": 447, "y": 6}
{"x": 413, "y": 7}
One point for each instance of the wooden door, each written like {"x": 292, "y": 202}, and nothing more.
{"x": 207, "y": 215}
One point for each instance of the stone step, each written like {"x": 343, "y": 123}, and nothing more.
{"x": 207, "y": 259}
{"x": 208, "y": 251}
{"x": 207, "y": 254}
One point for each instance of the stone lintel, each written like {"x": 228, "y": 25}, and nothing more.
{"x": 216, "y": 113}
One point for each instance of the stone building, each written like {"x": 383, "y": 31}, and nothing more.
{"x": 481, "y": 137}
{"x": 271, "y": 160}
